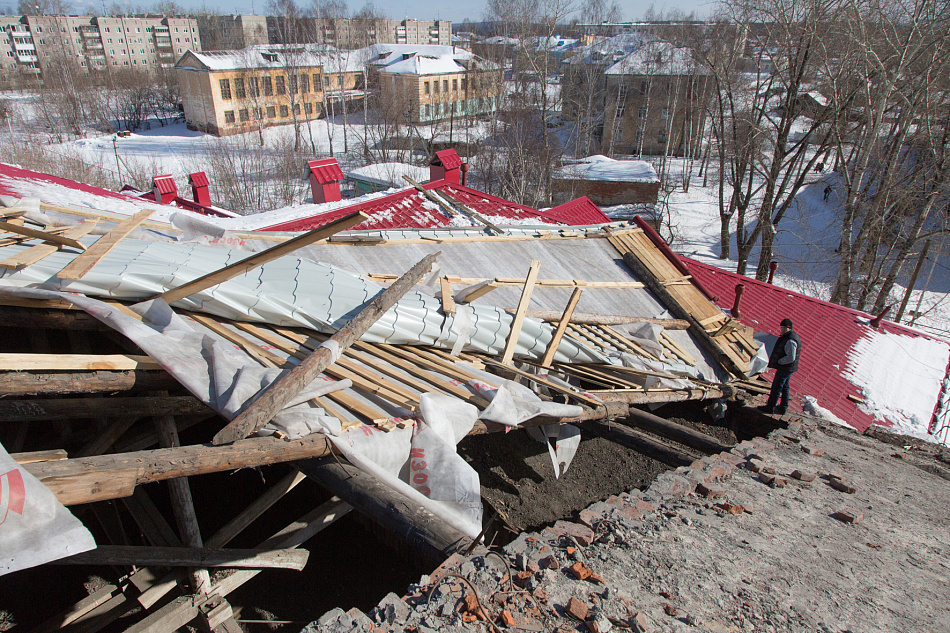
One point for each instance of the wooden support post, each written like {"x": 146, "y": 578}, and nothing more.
{"x": 561, "y": 327}
{"x": 250, "y": 263}
{"x": 448, "y": 300}
{"x": 283, "y": 390}
{"x": 515, "y": 332}
{"x": 83, "y": 263}
{"x": 182, "y": 504}
{"x": 429, "y": 535}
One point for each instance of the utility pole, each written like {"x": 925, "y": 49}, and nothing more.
{"x": 913, "y": 280}
{"x": 115, "y": 148}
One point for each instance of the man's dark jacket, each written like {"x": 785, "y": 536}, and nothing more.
{"x": 779, "y": 352}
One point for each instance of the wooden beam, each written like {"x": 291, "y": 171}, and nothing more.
{"x": 75, "y": 362}
{"x": 449, "y": 211}
{"x": 83, "y": 263}
{"x": 283, "y": 390}
{"x": 676, "y": 432}
{"x": 643, "y": 443}
{"x": 48, "y": 247}
{"x": 47, "y": 409}
{"x": 448, "y": 301}
{"x": 39, "y": 456}
{"x": 250, "y": 263}
{"x": 467, "y": 295}
{"x": 518, "y": 320}
{"x": 46, "y": 236}
{"x": 561, "y": 327}
{"x": 478, "y": 216}
{"x": 21, "y": 383}
{"x": 112, "y": 476}
{"x": 104, "y": 439}
{"x": 12, "y": 212}
{"x": 295, "y": 559}
{"x": 584, "y": 318}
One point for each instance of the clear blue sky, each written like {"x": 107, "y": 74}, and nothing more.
{"x": 456, "y": 11}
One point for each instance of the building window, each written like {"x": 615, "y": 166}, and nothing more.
{"x": 293, "y": 84}
{"x": 316, "y": 82}
{"x": 281, "y": 86}
{"x": 665, "y": 113}
{"x": 644, "y": 87}
{"x": 258, "y": 113}
{"x": 435, "y": 86}
{"x": 239, "y": 88}
{"x": 308, "y": 108}
{"x": 622, "y": 92}
{"x": 244, "y": 115}
{"x": 445, "y": 85}
{"x": 271, "y": 112}
{"x": 225, "y": 85}
{"x": 618, "y": 134}
{"x": 268, "y": 88}
{"x": 642, "y": 112}
{"x": 297, "y": 108}
{"x": 428, "y": 110}
{"x": 455, "y": 85}
{"x": 229, "y": 116}
{"x": 621, "y": 109}
{"x": 425, "y": 87}
{"x": 253, "y": 86}
{"x": 326, "y": 81}
{"x": 339, "y": 81}
{"x": 464, "y": 82}
{"x": 638, "y": 140}
{"x": 304, "y": 84}
{"x": 661, "y": 137}
{"x": 284, "y": 112}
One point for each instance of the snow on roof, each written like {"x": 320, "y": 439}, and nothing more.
{"x": 389, "y": 174}
{"x": 608, "y": 169}
{"x": 418, "y": 64}
{"x": 275, "y": 56}
{"x": 658, "y": 58}
{"x": 420, "y": 59}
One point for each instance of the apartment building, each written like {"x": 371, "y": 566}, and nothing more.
{"x": 233, "y": 92}
{"x": 426, "y": 84}
{"x": 232, "y": 32}
{"x": 349, "y": 33}
{"x": 30, "y": 43}
{"x": 656, "y": 101}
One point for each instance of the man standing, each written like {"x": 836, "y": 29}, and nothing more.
{"x": 784, "y": 359}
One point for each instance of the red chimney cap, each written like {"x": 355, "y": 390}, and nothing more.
{"x": 199, "y": 179}
{"x": 165, "y": 184}
{"x": 448, "y": 158}
{"x": 326, "y": 170}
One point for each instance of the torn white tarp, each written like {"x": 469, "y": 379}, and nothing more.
{"x": 289, "y": 292}
{"x": 35, "y": 528}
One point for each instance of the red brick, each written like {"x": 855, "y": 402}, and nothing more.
{"x": 570, "y": 550}
{"x": 589, "y": 517}
{"x": 522, "y": 577}
{"x": 581, "y": 533}
{"x": 640, "y": 623}
{"x": 838, "y": 476}
{"x": 803, "y": 476}
{"x": 540, "y": 594}
{"x": 532, "y": 539}
{"x": 710, "y": 491}
{"x": 716, "y": 471}
{"x": 549, "y": 562}
{"x": 754, "y": 465}
{"x": 732, "y": 508}
{"x": 837, "y": 484}
{"x": 614, "y": 500}
{"x": 766, "y": 478}
{"x": 631, "y": 514}
{"x": 577, "y": 609}
{"x": 507, "y": 619}
{"x": 811, "y": 450}
{"x": 581, "y": 571}
{"x": 730, "y": 458}
{"x": 768, "y": 470}
{"x": 848, "y": 515}
{"x": 780, "y": 482}
{"x": 468, "y": 618}
{"x": 670, "y": 610}
{"x": 645, "y": 507}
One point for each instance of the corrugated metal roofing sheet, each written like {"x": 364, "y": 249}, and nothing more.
{"x": 325, "y": 170}
{"x": 828, "y": 332}
{"x": 576, "y": 212}
{"x": 198, "y": 179}
{"x": 448, "y": 159}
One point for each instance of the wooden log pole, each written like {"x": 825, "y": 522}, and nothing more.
{"x": 676, "y": 432}
{"x": 45, "y": 410}
{"x": 23, "y": 383}
{"x": 584, "y": 318}
{"x": 426, "y": 533}
{"x": 295, "y": 559}
{"x": 285, "y": 388}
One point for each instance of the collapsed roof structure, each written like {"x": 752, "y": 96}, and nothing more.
{"x": 296, "y": 347}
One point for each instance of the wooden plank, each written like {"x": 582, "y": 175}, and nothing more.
{"x": 46, "y": 409}
{"x": 32, "y": 457}
{"x": 75, "y": 362}
{"x": 281, "y": 391}
{"x": 561, "y": 327}
{"x": 250, "y": 263}
{"x": 582, "y": 318}
{"x": 38, "y": 252}
{"x": 448, "y": 302}
{"x": 11, "y": 212}
{"x": 104, "y": 440}
{"x": 46, "y": 236}
{"x": 295, "y": 559}
{"x": 516, "y": 323}
{"x": 428, "y": 359}
{"x": 431, "y": 197}
{"x": 90, "y": 486}
{"x": 253, "y": 511}
{"x": 83, "y": 263}
{"x": 467, "y": 295}
{"x": 121, "y": 471}
{"x": 547, "y": 383}
{"x": 150, "y": 520}
{"x": 471, "y": 212}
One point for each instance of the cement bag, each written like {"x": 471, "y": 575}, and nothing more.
{"x": 35, "y": 528}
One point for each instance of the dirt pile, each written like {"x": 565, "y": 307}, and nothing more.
{"x": 733, "y": 543}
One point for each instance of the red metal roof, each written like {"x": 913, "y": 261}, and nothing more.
{"x": 577, "y": 212}
{"x": 409, "y": 209}
{"x": 165, "y": 184}
{"x": 448, "y": 158}
{"x": 828, "y": 332}
{"x": 11, "y": 176}
{"x": 199, "y": 179}
{"x": 325, "y": 171}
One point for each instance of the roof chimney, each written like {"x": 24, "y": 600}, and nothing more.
{"x": 876, "y": 321}
{"x": 164, "y": 189}
{"x": 199, "y": 188}
{"x": 740, "y": 288}
{"x": 325, "y": 177}
{"x": 446, "y": 164}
